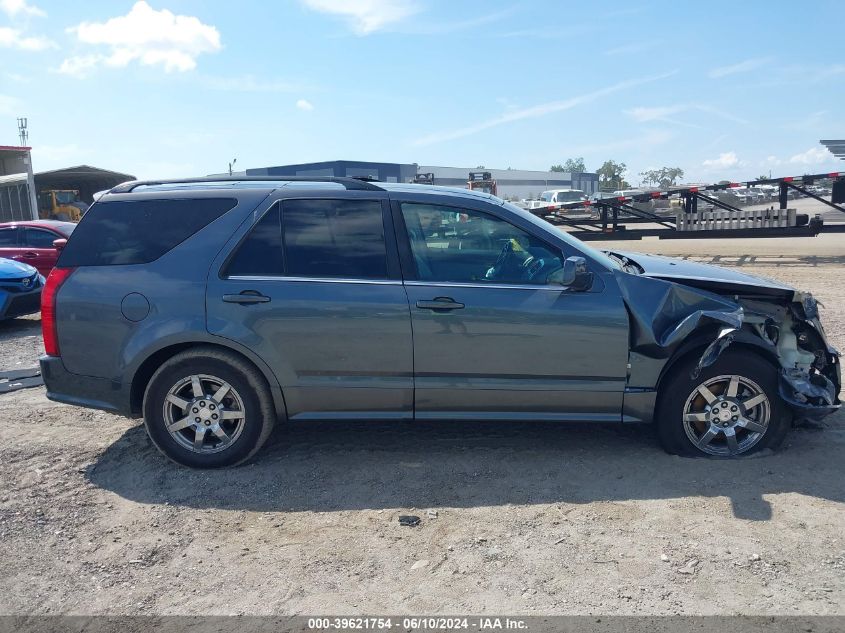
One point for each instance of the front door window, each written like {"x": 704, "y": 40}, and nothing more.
{"x": 459, "y": 245}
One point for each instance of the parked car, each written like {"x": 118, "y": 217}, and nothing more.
{"x": 20, "y": 289}
{"x": 214, "y": 312}
{"x": 765, "y": 193}
{"x": 37, "y": 243}
{"x": 554, "y": 198}
{"x": 744, "y": 195}
{"x": 562, "y": 196}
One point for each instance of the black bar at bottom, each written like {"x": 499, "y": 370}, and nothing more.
{"x": 424, "y": 623}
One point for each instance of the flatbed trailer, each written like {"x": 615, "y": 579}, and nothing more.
{"x": 610, "y": 216}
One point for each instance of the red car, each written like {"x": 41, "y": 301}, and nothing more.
{"x": 35, "y": 242}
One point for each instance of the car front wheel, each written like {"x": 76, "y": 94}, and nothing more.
{"x": 732, "y": 408}
{"x": 207, "y": 408}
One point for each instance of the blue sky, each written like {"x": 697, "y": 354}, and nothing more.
{"x": 725, "y": 90}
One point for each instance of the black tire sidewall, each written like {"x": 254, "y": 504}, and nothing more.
{"x": 677, "y": 387}
{"x": 176, "y": 370}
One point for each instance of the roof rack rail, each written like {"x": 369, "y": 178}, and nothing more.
{"x": 352, "y": 184}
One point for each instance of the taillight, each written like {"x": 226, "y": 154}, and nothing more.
{"x": 49, "y": 330}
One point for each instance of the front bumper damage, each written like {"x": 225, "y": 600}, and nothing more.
{"x": 812, "y": 394}
{"x": 669, "y": 318}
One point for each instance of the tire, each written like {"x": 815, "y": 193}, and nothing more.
{"x": 243, "y": 414}
{"x": 687, "y": 424}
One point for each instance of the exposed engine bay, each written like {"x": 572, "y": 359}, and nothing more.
{"x": 810, "y": 370}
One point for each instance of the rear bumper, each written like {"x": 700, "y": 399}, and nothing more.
{"x": 84, "y": 391}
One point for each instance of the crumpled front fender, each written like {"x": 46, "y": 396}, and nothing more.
{"x": 664, "y": 314}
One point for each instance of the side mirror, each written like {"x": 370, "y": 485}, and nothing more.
{"x": 574, "y": 275}
{"x": 59, "y": 244}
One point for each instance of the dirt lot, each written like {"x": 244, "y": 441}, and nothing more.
{"x": 528, "y": 518}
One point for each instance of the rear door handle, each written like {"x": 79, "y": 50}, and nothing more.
{"x": 30, "y": 255}
{"x": 440, "y": 303}
{"x": 246, "y": 297}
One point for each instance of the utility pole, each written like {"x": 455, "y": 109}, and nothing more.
{"x": 23, "y": 135}
{"x": 234, "y": 160}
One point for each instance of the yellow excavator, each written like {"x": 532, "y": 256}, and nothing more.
{"x": 61, "y": 204}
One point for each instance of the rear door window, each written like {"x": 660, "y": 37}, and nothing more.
{"x": 38, "y": 238}
{"x": 334, "y": 238}
{"x": 260, "y": 254}
{"x": 138, "y": 231}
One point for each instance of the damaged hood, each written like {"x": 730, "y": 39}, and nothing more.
{"x": 707, "y": 277}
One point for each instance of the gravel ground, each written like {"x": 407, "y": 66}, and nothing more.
{"x": 515, "y": 518}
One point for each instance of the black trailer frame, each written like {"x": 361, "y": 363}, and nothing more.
{"x": 607, "y": 226}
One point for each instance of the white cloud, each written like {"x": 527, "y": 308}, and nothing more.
{"x": 662, "y": 113}
{"x": 14, "y": 8}
{"x": 741, "y": 67}
{"x": 13, "y": 38}
{"x": 145, "y": 35}
{"x": 534, "y": 112}
{"x": 644, "y": 115}
{"x": 813, "y": 156}
{"x": 366, "y": 16}
{"x": 725, "y": 161}
{"x": 80, "y": 65}
{"x": 771, "y": 161}
{"x": 304, "y": 105}
{"x": 250, "y": 83}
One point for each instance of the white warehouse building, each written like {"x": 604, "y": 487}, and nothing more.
{"x": 515, "y": 183}
{"x": 511, "y": 183}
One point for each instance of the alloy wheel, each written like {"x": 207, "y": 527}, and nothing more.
{"x": 204, "y": 414}
{"x": 726, "y": 415}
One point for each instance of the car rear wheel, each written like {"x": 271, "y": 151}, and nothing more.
{"x": 207, "y": 408}
{"x": 732, "y": 408}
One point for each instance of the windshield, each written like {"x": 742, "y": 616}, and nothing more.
{"x": 570, "y": 196}
{"x": 577, "y": 244}
{"x": 547, "y": 196}
{"x": 66, "y": 197}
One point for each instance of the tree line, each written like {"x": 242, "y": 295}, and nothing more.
{"x": 612, "y": 174}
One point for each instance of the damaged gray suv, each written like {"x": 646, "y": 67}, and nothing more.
{"x": 215, "y": 308}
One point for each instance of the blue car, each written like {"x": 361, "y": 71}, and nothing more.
{"x": 20, "y": 289}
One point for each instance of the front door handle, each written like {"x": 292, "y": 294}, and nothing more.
{"x": 440, "y": 303}
{"x": 246, "y": 297}
{"x": 30, "y": 255}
